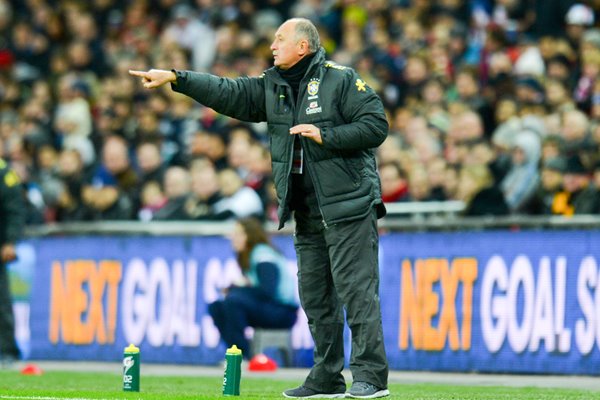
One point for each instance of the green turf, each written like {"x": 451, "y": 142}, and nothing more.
{"x": 88, "y": 385}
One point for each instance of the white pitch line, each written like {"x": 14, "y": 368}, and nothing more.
{"x": 47, "y": 398}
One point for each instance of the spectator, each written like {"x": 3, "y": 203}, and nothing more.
{"x": 63, "y": 79}
{"x": 238, "y": 151}
{"x": 477, "y": 190}
{"x": 468, "y": 92}
{"x": 437, "y": 171}
{"x": 576, "y": 136}
{"x": 205, "y": 192}
{"x": 585, "y": 86}
{"x": 551, "y": 183}
{"x": 559, "y": 67}
{"x": 259, "y": 171}
{"x": 419, "y": 186}
{"x": 150, "y": 163}
{"x": 551, "y": 147}
{"x": 152, "y": 201}
{"x": 238, "y": 201}
{"x": 108, "y": 196}
{"x": 177, "y": 187}
{"x": 394, "y": 186}
{"x": 211, "y": 144}
{"x": 522, "y": 178}
{"x": 577, "y": 18}
{"x": 47, "y": 175}
{"x": 579, "y": 195}
{"x": 71, "y": 171}
{"x": 557, "y": 95}
{"x": 73, "y": 119}
{"x": 191, "y": 34}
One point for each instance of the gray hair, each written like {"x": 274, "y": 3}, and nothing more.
{"x": 305, "y": 29}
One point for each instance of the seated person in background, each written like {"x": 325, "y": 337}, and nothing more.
{"x": 177, "y": 185}
{"x": 394, "y": 185}
{"x": 521, "y": 180}
{"x": 551, "y": 183}
{"x": 72, "y": 173}
{"x": 579, "y": 196}
{"x": 238, "y": 201}
{"x": 205, "y": 192}
{"x": 108, "y": 196}
{"x": 267, "y": 298}
{"x": 476, "y": 188}
{"x": 152, "y": 200}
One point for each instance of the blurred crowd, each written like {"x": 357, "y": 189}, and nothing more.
{"x": 492, "y": 102}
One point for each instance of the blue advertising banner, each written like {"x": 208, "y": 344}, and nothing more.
{"x": 492, "y": 301}
{"x": 463, "y": 301}
{"x": 92, "y": 296}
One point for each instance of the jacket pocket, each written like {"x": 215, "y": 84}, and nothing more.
{"x": 355, "y": 168}
{"x": 336, "y": 176}
{"x": 282, "y": 103}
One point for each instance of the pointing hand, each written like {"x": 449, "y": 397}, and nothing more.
{"x": 155, "y": 77}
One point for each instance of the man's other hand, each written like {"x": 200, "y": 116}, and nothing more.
{"x": 155, "y": 77}
{"x": 307, "y": 130}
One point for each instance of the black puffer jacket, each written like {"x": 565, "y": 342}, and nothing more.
{"x": 332, "y": 97}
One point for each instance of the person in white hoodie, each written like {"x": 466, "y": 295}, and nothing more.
{"x": 520, "y": 182}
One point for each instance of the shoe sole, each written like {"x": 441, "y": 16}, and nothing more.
{"x": 381, "y": 393}
{"x": 318, "y": 396}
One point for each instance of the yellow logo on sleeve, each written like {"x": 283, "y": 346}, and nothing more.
{"x": 361, "y": 85}
{"x": 11, "y": 179}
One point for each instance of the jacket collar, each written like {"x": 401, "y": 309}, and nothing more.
{"x": 318, "y": 59}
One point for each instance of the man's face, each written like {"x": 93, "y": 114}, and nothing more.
{"x": 286, "y": 49}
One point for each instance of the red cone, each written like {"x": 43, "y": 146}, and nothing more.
{"x": 31, "y": 369}
{"x": 262, "y": 363}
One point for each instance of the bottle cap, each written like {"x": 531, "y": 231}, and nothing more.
{"x": 233, "y": 350}
{"x": 132, "y": 349}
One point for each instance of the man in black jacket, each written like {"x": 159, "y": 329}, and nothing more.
{"x": 12, "y": 220}
{"x": 324, "y": 124}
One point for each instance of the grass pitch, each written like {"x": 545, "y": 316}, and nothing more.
{"x": 93, "y": 385}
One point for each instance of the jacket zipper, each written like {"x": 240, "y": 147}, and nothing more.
{"x": 302, "y": 140}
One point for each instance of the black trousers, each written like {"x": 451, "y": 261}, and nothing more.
{"x": 8, "y": 345}
{"x": 338, "y": 268}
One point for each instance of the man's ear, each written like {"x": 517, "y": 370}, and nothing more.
{"x": 303, "y": 49}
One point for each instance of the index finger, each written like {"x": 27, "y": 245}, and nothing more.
{"x": 137, "y": 73}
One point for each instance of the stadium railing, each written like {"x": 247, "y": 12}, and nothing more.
{"x": 423, "y": 220}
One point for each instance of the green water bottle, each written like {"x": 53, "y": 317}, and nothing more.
{"x": 131, "y": 369}
{"x": 233, "y": 371}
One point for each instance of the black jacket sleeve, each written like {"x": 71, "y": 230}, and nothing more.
{"x": 241, "y": 98}
{"x": 12, "y": 207}
{"x": 362, "y": 109}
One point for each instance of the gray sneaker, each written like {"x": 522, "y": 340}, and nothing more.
{"x": 302, "y": 392}
{"x": 366, "y": 390}
{"x": 8, "y": 362}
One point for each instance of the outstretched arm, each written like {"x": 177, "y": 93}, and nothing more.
{"x": 241, "y": 98}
